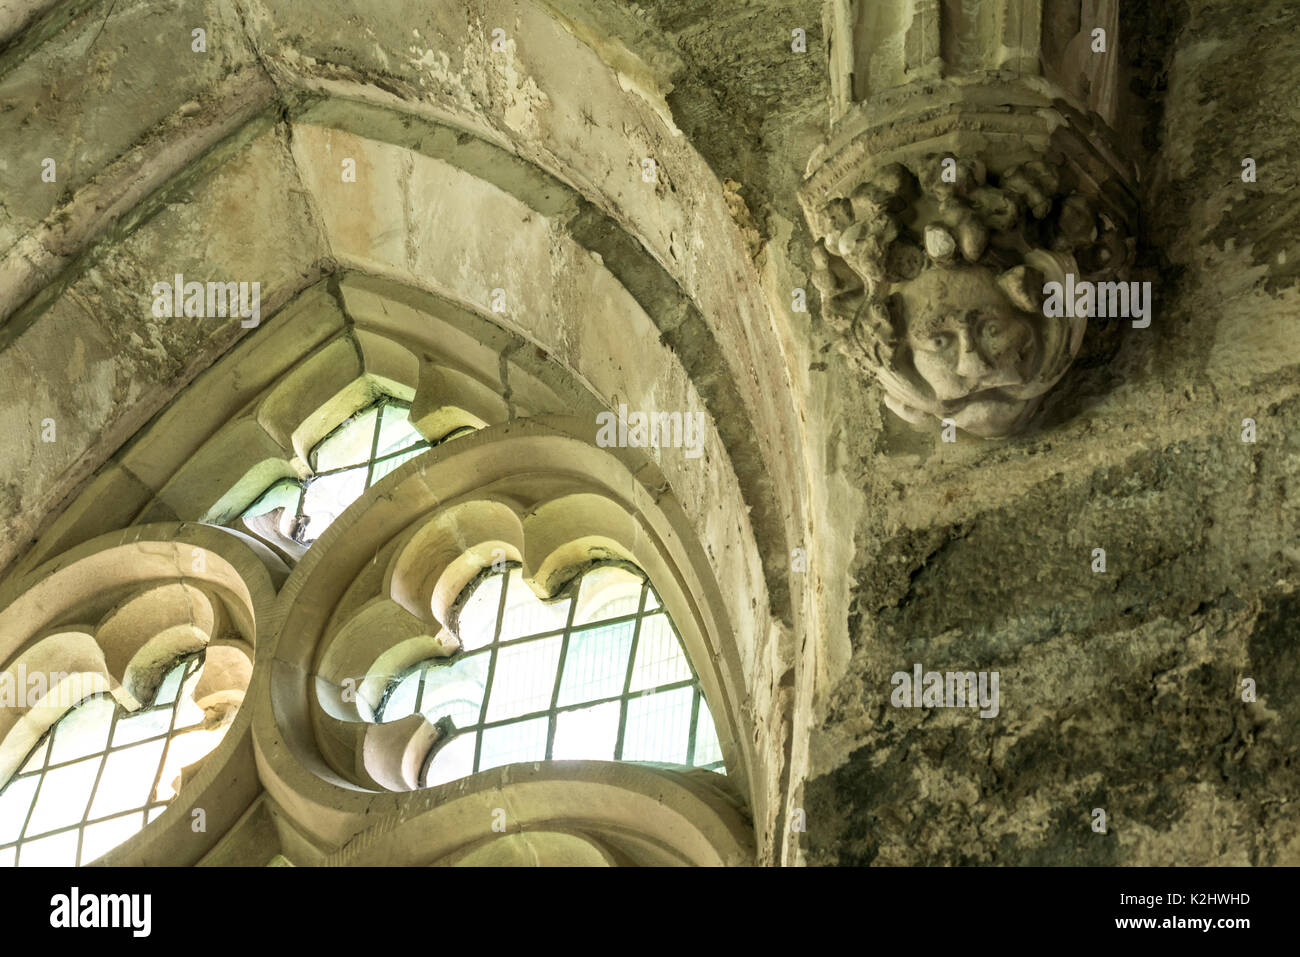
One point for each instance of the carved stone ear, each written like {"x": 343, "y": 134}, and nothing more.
{"x": 1023, "y": 285}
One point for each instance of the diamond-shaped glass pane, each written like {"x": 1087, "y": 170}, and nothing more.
{"x": 14, "y": 803}
{"x": 83, "y": 730}
{"x": 128, "y": 778}
{"x": 102, "y": 837}
{"x": 63, "y": 796}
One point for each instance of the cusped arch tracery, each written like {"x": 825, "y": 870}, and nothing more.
{"x": 596, "y": 673}
{"x": 381, "y": 596}
{"x": 559, "y": 563}
{"x": 124, "y": 667}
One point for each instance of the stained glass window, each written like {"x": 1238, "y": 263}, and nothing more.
{"x": 599, "y": 674}
{"x": 101, "y": 773}
{"x": 349, "y": 460}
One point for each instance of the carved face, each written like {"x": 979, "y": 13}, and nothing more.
{"x": 970, "y": 346}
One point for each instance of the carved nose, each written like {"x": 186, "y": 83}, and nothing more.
{"x": 970, "y": 364}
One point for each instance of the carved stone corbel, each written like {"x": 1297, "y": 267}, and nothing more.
{"x": 970, "y": 173}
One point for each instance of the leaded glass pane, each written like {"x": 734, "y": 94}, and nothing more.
{"x": 595, "y": 666}
{"x": 401, "y": 699}
{"x": 521, "y": 741}
{"x": 350, "y": 444}
{"x": 524, "y": 678}
{"x": 617, "y": 685}
{"x": 396, "y": 432}
{"x": 170, "y": 685}
{"x": 58, "y": 850}
{"x": 84, "y": 730}
{"x": 658, "y": 726}
{"x": 14, "y": 804}
{"x": 707, "y": 749}
{"x": 356, "y": 455}
{"x": 456, "y": 691}
{"x": 526, "y": 614}
{"x": 588, "y": 734}
{"x": 149, "y": 723}
{"x": 99, "y": 839}
{"x": 391, "y": 464}
{"x": 37, "y": 758}
{"x": 659, "y": 656}
{"x": 607, "y": 591}
{"x": 327, "y": 497}
{"x": 128, "y": 778}
{"x": 63, "y": 795}
{"x": 283, "y": 494}
{"x": 100, "y": 772}
{"x": 454, "y": 760}
{"x": 476, "y": 624}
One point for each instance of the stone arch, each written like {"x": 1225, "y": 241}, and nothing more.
{"x": 641, "y": 236}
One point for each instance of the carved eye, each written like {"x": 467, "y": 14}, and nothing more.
{"x": 1000, "y": 335}
{"x": 940, "y": 341}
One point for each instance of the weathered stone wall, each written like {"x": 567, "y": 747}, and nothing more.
{"x": 1120, "y": 690}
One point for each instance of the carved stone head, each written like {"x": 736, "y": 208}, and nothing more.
{"x": 933, "y": 276}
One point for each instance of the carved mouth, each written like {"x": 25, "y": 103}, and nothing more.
{"x": 992, "y": 393}
{"x": 992, "y": 396}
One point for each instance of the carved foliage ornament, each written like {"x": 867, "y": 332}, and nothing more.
{"x": 931, "y": 272}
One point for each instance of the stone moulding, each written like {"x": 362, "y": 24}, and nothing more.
{"x": 530, "y": 481}
{"x": 602, "y": 812}
{"x": 546, "y": 157}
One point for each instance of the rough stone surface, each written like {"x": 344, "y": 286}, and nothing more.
{"x": 1120, "y": 690}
